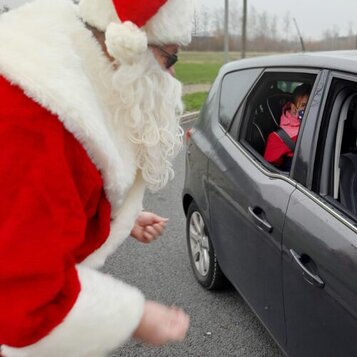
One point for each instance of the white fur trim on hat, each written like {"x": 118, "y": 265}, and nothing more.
{"x": 98, "y": 13}
{"x": 171, "y": 25}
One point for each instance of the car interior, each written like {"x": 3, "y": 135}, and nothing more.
{"x": 266, "y": 110}
{"x": 346, "y": 158}
{"x": 266, "y": 118}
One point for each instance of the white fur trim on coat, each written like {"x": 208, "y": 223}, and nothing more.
{"x": 50, "y": 67}
{"x": 105, "y": 315}
{"x": 171, "y": 25}
{"x": 63, "y": 69}
{"x": 121, "y": 226}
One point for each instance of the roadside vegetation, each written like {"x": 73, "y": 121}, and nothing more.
{"x": 197, "y": 73}
{"x": 194, "y": 101}
{"x": 201, "y": 67}
{"x": 198, "y": 68}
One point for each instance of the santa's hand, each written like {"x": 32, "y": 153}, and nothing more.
{"x": 161, "y": 324}
{"x": 148, "y": 226}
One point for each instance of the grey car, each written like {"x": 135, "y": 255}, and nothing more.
{"x": 286, "y": 239}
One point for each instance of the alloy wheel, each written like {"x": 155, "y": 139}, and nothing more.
{"x": 199, "y": 244}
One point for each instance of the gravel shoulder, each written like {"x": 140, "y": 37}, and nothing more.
{"x": 194, "y": 88}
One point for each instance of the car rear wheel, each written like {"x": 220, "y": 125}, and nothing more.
{"x": 201, "y": 251}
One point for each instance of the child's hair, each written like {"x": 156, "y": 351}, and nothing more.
{"x": 301, "y": 90}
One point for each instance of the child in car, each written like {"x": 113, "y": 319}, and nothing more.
{"x": 280, "y": 144}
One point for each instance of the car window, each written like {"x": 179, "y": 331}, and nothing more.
{"x": 273, "y": 114}
{"x": 235, "y": 86}
{"x": 288, "y": 86}
{"x": 339, "y": 157}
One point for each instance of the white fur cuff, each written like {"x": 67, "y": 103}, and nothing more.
{"x": 105, "y": 315}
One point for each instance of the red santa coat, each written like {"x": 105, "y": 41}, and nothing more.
{"x": 69, "y": 189}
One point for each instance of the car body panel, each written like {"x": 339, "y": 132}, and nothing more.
{"x": 324, "y": 319}
{"x": 249, "y": 256}
{"x": 287, "y": 247}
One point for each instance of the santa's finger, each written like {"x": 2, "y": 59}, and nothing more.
{"x": 159, "y": 228}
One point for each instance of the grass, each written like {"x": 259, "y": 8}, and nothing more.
{"x": 197, "y": 68}
{"x": 196, "y": 73}
{"x": 194, "y": 101}
{"x": 202, "y": 68}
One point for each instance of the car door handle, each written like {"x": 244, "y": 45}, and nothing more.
{"x": 311, "y": 278}
{"x": 259, "y": 218}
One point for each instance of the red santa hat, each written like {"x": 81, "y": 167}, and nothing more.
{"x": 131, "y": 25}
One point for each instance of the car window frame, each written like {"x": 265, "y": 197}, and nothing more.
{"x": 323, "y": 178}
{"x": 237, "y": 122}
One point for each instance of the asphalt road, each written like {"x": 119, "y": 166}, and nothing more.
{"x": 221, "y": 322}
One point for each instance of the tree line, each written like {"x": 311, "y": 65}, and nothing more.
{"x": 265, "y": 32}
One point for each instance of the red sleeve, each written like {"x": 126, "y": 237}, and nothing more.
{"x": 41, "y": 222}
{"x": 275, "y": 149}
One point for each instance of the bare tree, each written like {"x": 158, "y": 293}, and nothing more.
{"x": 274, "y": 28}
{"x": 219, "y": 22}
{"x": 235, "y": 18}
{"x": 196, "y": 23}
{"x": 287, "y": 22}
{"x": 265, "y": 32}
{"x": 252, "y": 23}
{"x": 206, "y": 18}
{"x": 3, "y": 9}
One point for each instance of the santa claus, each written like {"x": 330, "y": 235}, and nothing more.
{"x": 89, "y": 117}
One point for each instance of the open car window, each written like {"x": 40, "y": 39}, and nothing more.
{"x": 271, "y": 121}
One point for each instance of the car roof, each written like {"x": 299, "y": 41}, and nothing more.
{"x": 333, "y": 60}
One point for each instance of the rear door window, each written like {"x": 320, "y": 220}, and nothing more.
{"x": 235, "y": 86}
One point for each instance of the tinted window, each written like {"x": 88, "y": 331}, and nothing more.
{"x": 235, "y": 86}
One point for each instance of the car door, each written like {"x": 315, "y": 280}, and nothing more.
{"x": 248, "y": 207}
{"x": 320, "y": 237}
{"x": 248, "y": 201}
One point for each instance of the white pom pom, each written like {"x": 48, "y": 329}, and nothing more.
{"x": 125, "y": 42}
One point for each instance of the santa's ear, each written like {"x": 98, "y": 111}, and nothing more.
{"x": 125, "y": 42}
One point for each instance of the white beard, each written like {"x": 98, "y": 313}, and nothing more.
{"x": 149, "y": 104}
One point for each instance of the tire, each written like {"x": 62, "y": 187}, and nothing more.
{"x": 201, "y": 252}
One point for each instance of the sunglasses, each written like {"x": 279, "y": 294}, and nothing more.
{"x": 171, "y": 58}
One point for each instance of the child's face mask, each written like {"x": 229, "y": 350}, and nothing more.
{"x": 301, "y": 113}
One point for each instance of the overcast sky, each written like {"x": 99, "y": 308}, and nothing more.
{"x": 313, "y": 16}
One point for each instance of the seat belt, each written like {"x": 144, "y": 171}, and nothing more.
{"x": 283, "y": 135}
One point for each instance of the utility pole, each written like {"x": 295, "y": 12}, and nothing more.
{"x": 226, "y": 31}
{"x": 244, "y": 29}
